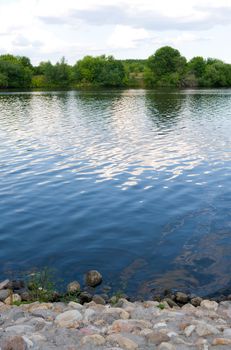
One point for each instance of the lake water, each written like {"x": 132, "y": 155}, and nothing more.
{"x": 134, "y": 183}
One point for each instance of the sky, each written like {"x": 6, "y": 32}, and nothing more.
{"x": 49, "y": 29}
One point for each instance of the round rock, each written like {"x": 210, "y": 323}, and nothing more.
{"x": 73, "y": 287}
{"x": 93, "y": 278}
{"x": 181, "y": 297}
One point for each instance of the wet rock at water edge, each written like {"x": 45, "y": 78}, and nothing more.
{"x": 4, "y": 284}
{"x": 93, "y": 278}
{"x": 196, "y": 301}
{"x": 4, "y": 293}
{"x": 13, "y": 298}
{"x": 73, "y": 287}
{"x": 16, "y": 284}
{"x": 24, "y": 294}
{"x": 170, "y": 302}
{"x": 181, "y": 298}
{"x": 85, "y": 297}
{"x": 98, "y": 299}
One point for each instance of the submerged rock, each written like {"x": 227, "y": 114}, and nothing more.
{"x": 93, "y": 278}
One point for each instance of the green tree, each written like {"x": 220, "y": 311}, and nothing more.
{"x": 14, "y": 72}
{"x": 99, "y": 71}
{"x": 165, "y": 68}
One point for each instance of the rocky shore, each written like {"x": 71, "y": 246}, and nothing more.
{"x": 176, "y": 322}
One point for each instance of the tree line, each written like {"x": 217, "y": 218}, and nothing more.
{"x": 165, "y": 68}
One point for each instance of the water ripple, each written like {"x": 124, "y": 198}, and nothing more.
{"x": 135, "y": 183}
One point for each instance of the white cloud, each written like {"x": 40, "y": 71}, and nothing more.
{"x": 126, "y": 37}
{"x": 49, "y": 29}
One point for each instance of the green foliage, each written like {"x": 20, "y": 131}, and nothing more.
{"x": 57, "y": 75}
{"x": 165, "y": 68}
{"x": 15, "y": 72}
{"x": 217, "y": 74}
{"x": 99, "y": 71}
{"x": 41, "y": 285}
{"x": 161, "y": 306}
{"x": 197, "y": 66}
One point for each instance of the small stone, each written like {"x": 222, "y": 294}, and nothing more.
{"x": 166, "y": 346}
{"x": 98, "y": 300}
{"x": 29, "y": 343}
{"x": 209, "y": 305}
{"x": 45, "y": 314}
{"x": 69, "y": 319}
{"x": 116, "y": 312}
{"x": 145, "y": 332}
{"x": 37, "y": 305}
{"x": 75, "y": 305}
{"x": 4, "y": 284}
{"x": 181, "y": 297}
{"x": 221, "y": 341}
{"x": 227, "y": 332}
{"x": 196, "y": 301}
{"x": 85, "y": 297}
{"x": 93, "y": 278}
{"x": 170, "y": 302}
{"x": 188, "y": 308}
{"x": 24, "y": 294}
{"x": 123, "y": 342}
{"x": 14, "y": 343}
{"x": 4, "y": 293}
{"x": 203, "y": 329}
{"x": 189, "y": 330}
{"x": 160, "y": 325}
{"x": 88, "y": 314}
{"x": 20, "y": 329}
{"x": 73, "y": 287}
{"x": 94, "y": 339}
{"x": 13, "y": 299}
{"x": 129, "y": 326}
{"x": 202, "y": 344}
{"x": 157, "y": 337}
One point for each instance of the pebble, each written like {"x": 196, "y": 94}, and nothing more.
{"x": 188, "y": 330}
{"x": 209, "y": 305}
{"x": 221, "y": 341}
{"x": 94, "y": 339}
{"x": 14, "y": 343}
{"x": 99, "y": 300}
{"x": 199, "y": 325}
{"x": 166, "y": 346}
{"x": 122, "y": 341}
{"x": 204, "y": 329}
{"x": 69, "y": 319}
{"x": 73, "y": 287}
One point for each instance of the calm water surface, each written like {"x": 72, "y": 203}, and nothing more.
{"x": 136, "y": 184}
